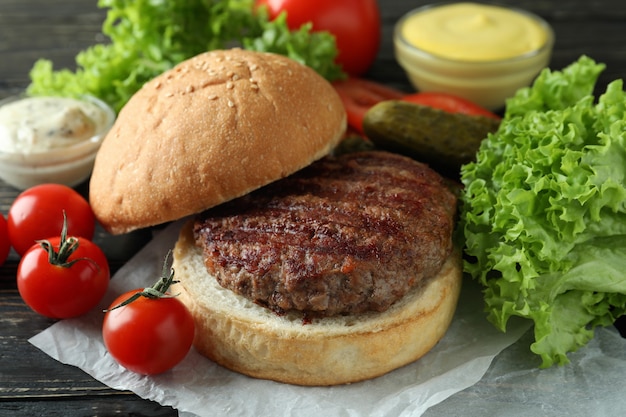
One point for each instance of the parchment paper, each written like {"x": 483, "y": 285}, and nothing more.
{"x": 199, "y": 387}
{"x": 592, "y": 385}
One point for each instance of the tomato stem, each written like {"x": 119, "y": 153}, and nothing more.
{"x": 67, "y": 247}
{"x": 158, "y": 290}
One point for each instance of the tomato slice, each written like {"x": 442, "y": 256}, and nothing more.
{"x": 449, "y": 103}
{"x": 358, "y": 95}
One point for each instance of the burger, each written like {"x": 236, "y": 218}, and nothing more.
{"x": 299, "y": 266}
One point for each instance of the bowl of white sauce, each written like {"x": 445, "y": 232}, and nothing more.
{"x": 51, "y": 139}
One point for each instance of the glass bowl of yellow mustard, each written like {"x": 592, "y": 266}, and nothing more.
{"x": 479, "y": 51}
{"x": 51, "y": 139}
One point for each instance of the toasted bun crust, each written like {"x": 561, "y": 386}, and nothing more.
{"x": 247, "y": 338}
{"x": 211, "y": 129}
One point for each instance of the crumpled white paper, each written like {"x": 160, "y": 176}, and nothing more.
{"x": 198, "y": 387}
{"x": 592, "y": 384}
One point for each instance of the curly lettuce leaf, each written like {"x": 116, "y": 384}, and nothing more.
{"x": 315, "y": 49}
{"x": 147, "y": 37}
{"x": 544, "y": 210}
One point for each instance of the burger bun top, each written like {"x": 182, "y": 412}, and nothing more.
{"x": 211, "y": 129}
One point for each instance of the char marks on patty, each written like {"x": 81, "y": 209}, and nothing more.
{"x": 345, "y": 235}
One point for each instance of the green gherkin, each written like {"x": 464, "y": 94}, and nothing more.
{"x": 441, "y": 139}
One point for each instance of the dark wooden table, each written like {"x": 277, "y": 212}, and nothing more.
{"x": 31, "y": 383}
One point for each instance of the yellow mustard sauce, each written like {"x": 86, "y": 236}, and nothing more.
{"x": 474, "y": 32}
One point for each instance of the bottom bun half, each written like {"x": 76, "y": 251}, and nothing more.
{"x": 247, "y": 338}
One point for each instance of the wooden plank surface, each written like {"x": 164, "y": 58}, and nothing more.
{"x": 33, "y": 384}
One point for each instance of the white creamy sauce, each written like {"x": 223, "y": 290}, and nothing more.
{"x": 38, "y": 124}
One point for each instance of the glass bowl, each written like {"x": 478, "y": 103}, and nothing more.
{"x": 69, "y": 165}
{"x": 487, "y": 82}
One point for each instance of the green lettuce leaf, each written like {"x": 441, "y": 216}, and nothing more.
{"x": 544, "y": 210}
{"x": 147, "y": 37}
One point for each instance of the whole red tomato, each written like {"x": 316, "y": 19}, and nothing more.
{"x": 149, "y": 331}
{"x": 149, "y": 335}
{"x": 5, "y": 245}
{"x": 37, "y": 213}
{"x": 67, "y": 284}
{"x": 355, "y": 24}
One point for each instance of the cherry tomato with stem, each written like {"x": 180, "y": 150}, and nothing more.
{"x": 148, "y": 331}
{"x": 37, "y": 213}
{"x": 63, "y": 277}
{"x": 354, "y": 23}
{"x": 5, "y": 243}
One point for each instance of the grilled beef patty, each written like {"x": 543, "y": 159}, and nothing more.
{"x": 345, "y": 235}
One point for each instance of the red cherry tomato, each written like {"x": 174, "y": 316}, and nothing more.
{"x": 449, "y": 103}
{"x": 5, "y": 244}
{"x": 355, "y": 24}
{"x": 148, "y": 335}
{"x": 358, "y": 95}
{"x": 37, "y": 213}
{"x": 67, "y": 287}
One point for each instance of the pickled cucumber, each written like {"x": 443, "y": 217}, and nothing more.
{"x": 443, "y": 140}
